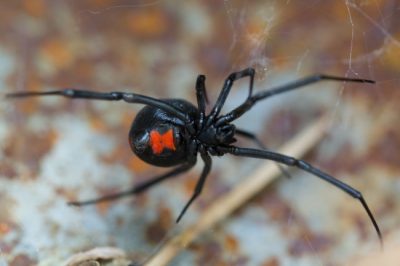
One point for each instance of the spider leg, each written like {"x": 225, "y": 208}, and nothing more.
{"x": 202, "y": 99}
{"x": 253, "y": 137}
{"x": 248, "y": 72}
{"x": 253, "y": 99}
{"x": 250, "y": 135}
{"x": 199, "y": 186}
{"x": 107, "y": 96}
{"x": 137, "y": 188}
{"x": 290, "y": 161}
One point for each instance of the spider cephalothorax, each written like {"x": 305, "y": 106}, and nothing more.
{"x": 217, "y": 135}
{"x": 171, "y": 132}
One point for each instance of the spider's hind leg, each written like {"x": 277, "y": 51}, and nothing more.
{"x": 251, "y": 136}
{"x": 300, "y": 164}
{"x": 137, "y": 189}
{"x": 200, "y": 183}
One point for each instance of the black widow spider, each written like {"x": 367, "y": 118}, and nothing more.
{"x": 171, "y": 132}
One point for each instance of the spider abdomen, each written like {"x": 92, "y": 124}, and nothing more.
{"x": 156, "y": 136}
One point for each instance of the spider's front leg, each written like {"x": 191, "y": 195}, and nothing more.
{"x": 248, "y": 72}
{"x": 297, "y": 84}
{"x": 106, "y": 96}
{"x": 202, "y": 100}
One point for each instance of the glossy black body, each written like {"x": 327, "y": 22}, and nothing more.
{"x": 196, "y": 132}
{"x": 151, "y": 118}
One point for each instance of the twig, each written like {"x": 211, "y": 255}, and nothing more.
{"x": 244, "y": 191}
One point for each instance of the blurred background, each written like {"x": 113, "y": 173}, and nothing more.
{"x": 54, "y": 150}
